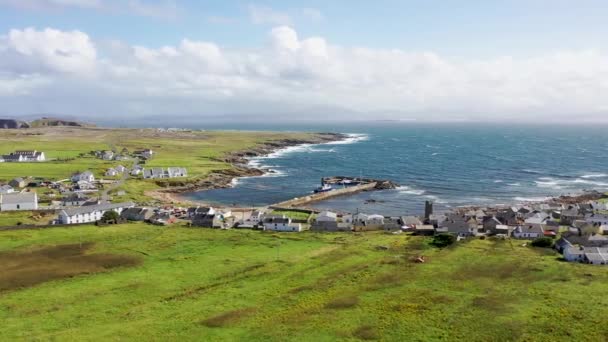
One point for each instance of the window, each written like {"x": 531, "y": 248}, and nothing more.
{"x": 18, "y": 206}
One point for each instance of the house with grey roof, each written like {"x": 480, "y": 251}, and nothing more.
{"x": 24, "y": 156}
{"x": 280, "y": 223}
{"x": 528, "y": 231}
{"x": 137, "y": 214}
{"x": 6, "y": 189}
{"x": 86, "y": 176}
{"x": 19, "y": 201}
{"x": 589, "y": 255}
{"x": 17, "y": 183}
{"x": 91, "y": 213}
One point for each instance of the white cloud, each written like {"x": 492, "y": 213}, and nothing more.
{"x": 67, "y": 52}
{"x": 292, "y": 74}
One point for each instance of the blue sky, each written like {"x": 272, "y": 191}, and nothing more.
{"x": 510, "y": 44}
{"x": 459, "y": 28}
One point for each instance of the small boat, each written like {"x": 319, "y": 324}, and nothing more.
{"x": 324, "y": 188}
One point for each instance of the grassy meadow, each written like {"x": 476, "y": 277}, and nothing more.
{"x": 67, "y": 150}
{"x": 143, "y": 282}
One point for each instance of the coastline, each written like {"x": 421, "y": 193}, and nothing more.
{"x": 242, "y": 166}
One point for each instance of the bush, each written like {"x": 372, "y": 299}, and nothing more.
{"x": 544, "y": 242}
{"x": 443, "y": 240}
{"x": 110, "y": 216}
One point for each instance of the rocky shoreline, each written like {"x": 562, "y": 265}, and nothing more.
{"x": 239, "y": 160}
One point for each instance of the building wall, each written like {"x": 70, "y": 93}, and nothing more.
{"x": 19, "y": 206}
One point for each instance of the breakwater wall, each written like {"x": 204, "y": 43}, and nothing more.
{"x": 302, "y": 201}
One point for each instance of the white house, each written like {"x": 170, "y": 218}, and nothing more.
{"x": 532, "y": 231}
{"x": 590, "y": 255}
{"x": 120, "y": 169}
{"x": 19, "y": 201}
{"x": 6, "y": 189}
{"x": 92, "y": 213}
{"x": 25, "y": 156}
{"x": 146, "y": 153}
{"x": 281, "y": 224}
{"x": 597, "y": 219}
{"x": 253, "y": 220}
{"x": 86, "y": 176}
{"x": 107, "y": 155}
{"x": 174, "y": 172}
{"x": 111, "y": 172}
{"x": 327, "y": 216}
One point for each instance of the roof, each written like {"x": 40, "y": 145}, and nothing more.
{"x": 18, "y": 198}
{"x": 328, "y": 214}
{"x": 97, "y": 207}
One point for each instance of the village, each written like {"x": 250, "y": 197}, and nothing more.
{"x": 577, "y": 229}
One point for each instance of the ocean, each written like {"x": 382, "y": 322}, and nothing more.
{"x": 449, "y": 164}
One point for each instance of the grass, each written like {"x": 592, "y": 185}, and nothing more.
{"x": 14, "y": 218}
{"x": 192, "y": 284}
{"x": 67, "y": 149}
{"x": 294, "y": 215}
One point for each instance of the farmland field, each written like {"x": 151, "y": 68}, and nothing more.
{"x": 142, "y": 282}
{"x": 68, "y": 150}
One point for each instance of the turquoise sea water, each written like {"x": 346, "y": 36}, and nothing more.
{"x": 450, "y": 164}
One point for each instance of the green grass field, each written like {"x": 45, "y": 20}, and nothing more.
{"x": 149, "y": 283}
{"x": 199, "y": 152}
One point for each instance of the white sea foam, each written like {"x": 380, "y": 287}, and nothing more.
{"x": 498, "y": 181}
{"x": 514, "y": 184}
{"x": 531, "y": 199}
{"x": 352, "y": 138}
{"x": 595, "y": 175}
{"x": 406, "y": 190}
{"x": 257, "y": 162}
{"x": 558, "y": 184}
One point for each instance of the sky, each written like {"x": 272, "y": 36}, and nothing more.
{"x": 428, "y": 60}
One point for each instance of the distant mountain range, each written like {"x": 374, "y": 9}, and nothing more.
{"x": 42, "y": 122}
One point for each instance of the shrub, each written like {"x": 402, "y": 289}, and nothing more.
{"x": 110, "y": 216}
{"x": 443, "y": 240}
{"x": 544, "y": 242}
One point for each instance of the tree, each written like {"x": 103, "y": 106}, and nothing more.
{"x": 110, "y": 216}
{"x": 443, "y": 240}
{"x": 544, "y": 242}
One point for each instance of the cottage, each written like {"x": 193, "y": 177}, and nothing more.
{"x": 590, "y": 255}
{"x": 17, "y": 183}
{"x": 111, "y": 172}
{"x": 253, "y": 220}
{"x": 411, "y": 221}
{"x": 194, "y": 211}
{"x": 107, "y": 155}
{"x": 215, "y": 220}
{"x": 120, "y": 169}
{"x": 597, "y": 219}
{"x": 6, "y": 189}
{"x": 528, "y": 232}
{"x": 86, "y": 176}
{"x": 137, "y": 214}
{"x": 327, "y": 216}
{"x": 25, "y": 156}
{"x": 19, "y": 201}
{"x": 92, "y": 213}
{"x": 163, "y": 219}
{"x": 280, "y": 224}
{"x": 174, "y": 172}
{"x": 424, "y": 230}
{"x": 154, "y": 173}
{"x": 146, "y": 153}
{"x": 76, "y": 199}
